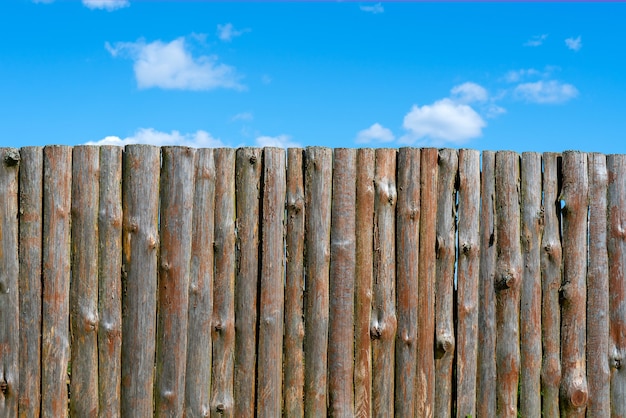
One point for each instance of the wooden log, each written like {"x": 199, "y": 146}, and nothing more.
{"x": 598, "y": 325}
{"x": 84, "y": 283}
{"x": 318, "y": 187}
{"x": 199, "y": 344}
{"x": 30, "y": 286}
{"x": 425, "y": 385}
{"x": 616, "y": 165}
{"x": 140, "y": 241}
{"x": 55, "y": 342}
{"x": 445, "y": 253}
{"x": 507, "y": 282}
{"x": 486, "y": 356}
{"x": 530, "y": 297}
{"x": 467, "y": 281}
{"x": 293, "y": 348}
{"x": 176, "y": 213}
{"x": 364, "y": 277}
{"x": 407, "y": 271}
{"x": 223, "y": 328}
{"x": 271, "y": 295}
{"x": 9, "y": 291}
{"x": 248, "y": 190}
{"x": 109, "y": 283}
{"x": 341, "y": 285}
{"x": 551, "y": 259}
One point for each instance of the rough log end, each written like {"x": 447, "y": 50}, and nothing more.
{"x": 12, "y": 157}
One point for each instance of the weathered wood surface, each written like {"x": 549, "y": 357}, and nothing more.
{"x": 616, "y": 166}
{"x": 598, "y": 325}
{"x": 248, "y": 190}
{"x": 9, "y": 291}
{"x": 271, "y": 295}
{"x": 223, "y": 325}
{"x": 199, "y": 344}
{"x": 530, "y": 296}
{"x": 30, "y": 286}
{"x": 318, "y": 194}
{"x": 407, "y": 273}
{"x": 551, "y": 258}
{"x": 109, "y": 283}
{"x": 364, "y": 278}
{"x": 84, "y": 283}
{"x": 176, "y": 214}
{"x": 341, "y": 285}
{"x": 467, "y": 281}
{"x": 573, "y": 291}
{"x": 140, "y": 242}
{"x": 293, "y": 343}
{"x": 427, "y": 268}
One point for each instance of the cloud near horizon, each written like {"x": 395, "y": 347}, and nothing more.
{"x": 545, "y": 92}
{"x": 375, "y": 133}
{"x": 374, "y": 8}
{"x": 150, "y": 136}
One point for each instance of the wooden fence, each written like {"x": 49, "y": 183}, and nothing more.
{"x": 258, "y": 282}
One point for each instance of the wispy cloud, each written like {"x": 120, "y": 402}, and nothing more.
{"x": 170, "y": 65}
{"x": 199, "y": 139}
{"x": 243, "y": 116}
{"x": 375, "y": 133}
{"x": 280, "y": 141}
{"x": 374, "y": 8}
{"x": 227, "y": 32}
{"x": 109, "y": 5}
{"x": 536, "y": 40}
{"x": 515, "y": 76}
{"x": 574, "y": 43}
{"x": 469, "y": 93}
{"x": 545, "y": 92}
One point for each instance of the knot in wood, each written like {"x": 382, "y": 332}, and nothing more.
{"x": 12, "y": 158}
{"x": 466, "y": 247}
{"x": 505, "y": 281}
{"x": 578, "y": 398}
{"x": 253, "y": 159}
{"x": 152, "y": 242}
{"x": 445, "y": 344}
{"x": 218, "y": 327}
{"x": 616, "y": 362}
{"x": 4, "y": 386}
{"x": 376, "y": 331}
{"x": 220, "y": 408}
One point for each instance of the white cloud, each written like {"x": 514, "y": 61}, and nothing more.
{"x": 280, "y": 141}
{"x": 515, "y": 76}
{"x": 375, "y": 133}
{"x": 199, "y": 139}
{"x": 574, "y": 43}
{"x": 227, "y": 32}
{"x": 43, "y": 1}
{"x": 536, "y": 40}
{"x": 244, "y": 116}
{"x": 172, "y": 66}
{"x": 469, "y": 92}
{"x": 551, "y": 91}
{"x": 374, "y": 8}
{"x": 493, "y": 110}
{"x": 109, "y": 5}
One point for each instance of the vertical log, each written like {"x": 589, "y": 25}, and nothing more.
{"x": 364, "y": 277}
{"x": 425, "y": 385}
{"x": 318, "y": 189}
{"x": 9, "y": 291}
{"x": 616, "y": 165}
{"x": 467, "y": 281}
{"x": 507, "y": 282}
{"x": 199, "y": 345}
{"x": 407, "y": 270}
{"x": 248, "y": 190}
{"x": 223, "y": 328}
{"x": 84, "y": 283}
{"x": 140, "y": 200}
{"x": 598, "y": 325}
{"x": 30, "y": 271}
{"x": 293, "y": 358}
{"x": 550, "y": 284}
{"x": 109, "y": 283}
{"x": 176, "y": 211}
{"x": 530, "y": 298}
{"x": 341, "y": 285}
{"x": 272, "y": 292}
{"x": 55, "y": 342}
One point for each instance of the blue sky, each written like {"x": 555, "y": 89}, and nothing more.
{"x": 520, "y": 76}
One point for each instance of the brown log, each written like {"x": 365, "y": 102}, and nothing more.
{"x": 84, "y": 283}
{"x": 199, "y": 344}
{"x": 407, "y": 271}
{"x": 271, "y": 295}
{"x": 248, "y": 190}
{"x": 176, "y": 210}
{"x": 467, "y": 281}
{"x": 551, "y": 258}
{"x": 30, "y": 271}
{"x": 293, "y": 349}
{"x": 223, "y": 325}
{"x": 318, "y": 188}
{"x": 425, "y": 385}
{"x": 55, "y": 341}
{"x": 507, "y": 282}
{"x": 109, "y": 283}
{"x": 530, "y": 297}
{"x": 140, "y": 197}
{"x": 616, "y": 165}
{"x": 9, "y": 291}
{"x": 598, "y": 325}
{"x": 363, "y": 282}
